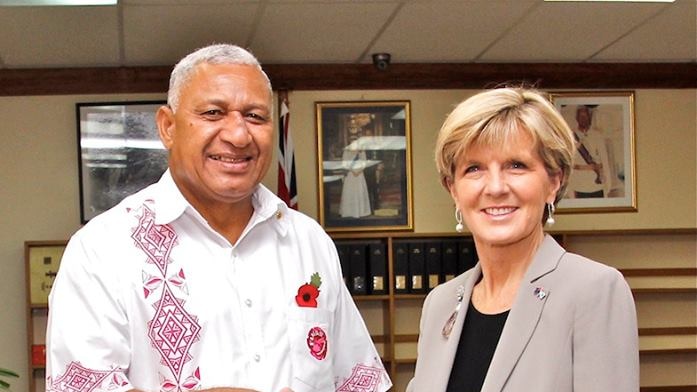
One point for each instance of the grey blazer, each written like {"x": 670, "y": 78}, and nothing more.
{"x": 579, "y": 335}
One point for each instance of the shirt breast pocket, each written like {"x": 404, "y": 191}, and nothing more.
{"x": 311, "y": 349}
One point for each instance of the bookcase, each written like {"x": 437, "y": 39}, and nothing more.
{"x": 660, "y": 266}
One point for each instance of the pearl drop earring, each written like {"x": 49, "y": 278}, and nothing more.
{"x": 459, "y": 227}
{"x": 550, "y": 214}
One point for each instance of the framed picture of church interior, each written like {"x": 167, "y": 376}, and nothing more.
{"x": 604, "y": 174}
{"x": 364, "y": 165}
{"x": 119, "y": 152}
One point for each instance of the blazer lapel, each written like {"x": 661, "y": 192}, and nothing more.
{"x": 524, "y": 316}
{"x": 452, "y": 342}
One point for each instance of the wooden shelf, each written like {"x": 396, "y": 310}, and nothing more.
{"x": 399, "y": 341}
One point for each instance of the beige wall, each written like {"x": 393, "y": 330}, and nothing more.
{"x": 39, "y": 185}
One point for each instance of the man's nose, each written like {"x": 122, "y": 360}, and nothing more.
{"x": 235, "y": 130}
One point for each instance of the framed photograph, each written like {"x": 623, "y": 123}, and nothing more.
{"x": 364, "y": 165}
{"x": 604, "y": 174}
{"x": 119, "y": 152}
{"x": 42, "y": 259}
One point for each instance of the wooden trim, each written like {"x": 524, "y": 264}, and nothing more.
{"x": 591, "y": 233}
{"x": 667, "y": 331}
{"x": 668, "y": 351}
{"x": 677, "y": 231}
{"x": 666, "y": 290}
{"x": 406, "y": 338}
{"x": 671, "y": 388}
{"x": 131, "y": 80}
{"x": 632, "y": 272}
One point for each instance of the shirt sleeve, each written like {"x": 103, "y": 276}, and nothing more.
{"x": 606, "y": 338}
{"x": 87, "y": 335}
{"x": 355, "y": 357}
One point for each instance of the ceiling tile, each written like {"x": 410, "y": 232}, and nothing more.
{"x": 318, "y": 32}
{"x": 669, "y": 36}
{"x": 448, "y": 31}
{"x": 58, "y": 37}
{"x": 184, "y": 27}
{"x": 568, "y": 32}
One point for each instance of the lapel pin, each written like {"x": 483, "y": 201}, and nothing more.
{"x": 540, "y": 293}
{"x": 448, "y": 327}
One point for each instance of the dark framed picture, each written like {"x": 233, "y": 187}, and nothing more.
{"x": 604, "y": 174}
{"x": 119, "y": 152}
{"x": 364, "y": 165}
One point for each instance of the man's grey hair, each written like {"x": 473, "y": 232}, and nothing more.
{"x": 213, "y": 54}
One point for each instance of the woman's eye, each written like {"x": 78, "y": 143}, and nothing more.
{"x": 518, "y": 165}
{"x": 471, "y": 169}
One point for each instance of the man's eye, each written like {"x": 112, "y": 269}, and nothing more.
{"x": 212, "y": 112}
{"x": 257, "y": 117}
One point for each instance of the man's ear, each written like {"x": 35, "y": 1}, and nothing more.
{"x": 166, "y": 125}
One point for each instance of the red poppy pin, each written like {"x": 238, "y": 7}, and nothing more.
{"x": 308, "y": 293}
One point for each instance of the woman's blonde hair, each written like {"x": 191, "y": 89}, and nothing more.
{"x": 491, "y": 117}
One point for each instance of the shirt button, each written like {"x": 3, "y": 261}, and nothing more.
{"x": 248, "y": 302}
{"x": 257, "y": 358}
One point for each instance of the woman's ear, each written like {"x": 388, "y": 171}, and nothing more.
{"x": 555, "y": 186}
{"x": 165, "y": 125}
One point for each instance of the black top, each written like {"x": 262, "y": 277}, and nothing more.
{"x": 478, "y": 340}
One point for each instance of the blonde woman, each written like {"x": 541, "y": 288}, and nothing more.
{"x": 529, "y": 316}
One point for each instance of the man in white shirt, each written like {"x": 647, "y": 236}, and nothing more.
{"x": 591, "y": 177}
{"x": 206, "y": 280}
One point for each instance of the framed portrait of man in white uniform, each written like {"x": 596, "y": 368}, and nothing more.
{"x": 604, "y": 172}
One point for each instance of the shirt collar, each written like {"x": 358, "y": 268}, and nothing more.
{"x": 170, "y": 204}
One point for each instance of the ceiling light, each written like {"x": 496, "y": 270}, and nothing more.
{"x": 32, "y": 3}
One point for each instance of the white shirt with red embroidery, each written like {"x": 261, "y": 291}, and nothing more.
{"x": 148, "y": 296}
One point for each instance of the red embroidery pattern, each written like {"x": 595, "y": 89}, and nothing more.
{"x": 192, "y": 382}
{"x": 173, "y": 331}
{"x": 317, "y": 342}
{"x": 78, "y": 378}
{"x": 363, "y": 379}
{"x": 155, "y": 240}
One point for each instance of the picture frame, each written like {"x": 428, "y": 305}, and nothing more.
{"x": 119, "y": 152}
{"x": 42, "y": 259}
{"x": 604, "y": 174}
{"x": 364, "y": 165}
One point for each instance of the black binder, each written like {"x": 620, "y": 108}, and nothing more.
{"x": 378, "y": 268}
{"x": 417, "y": 268}
{"x": 449, "y": 254}
{"x": 343, "y": 250}
{"x": 400, "y": 255}
{"x": 358, "y": 268}
{"x": 433, "y": 264}
{"x": 467, "y": 256}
